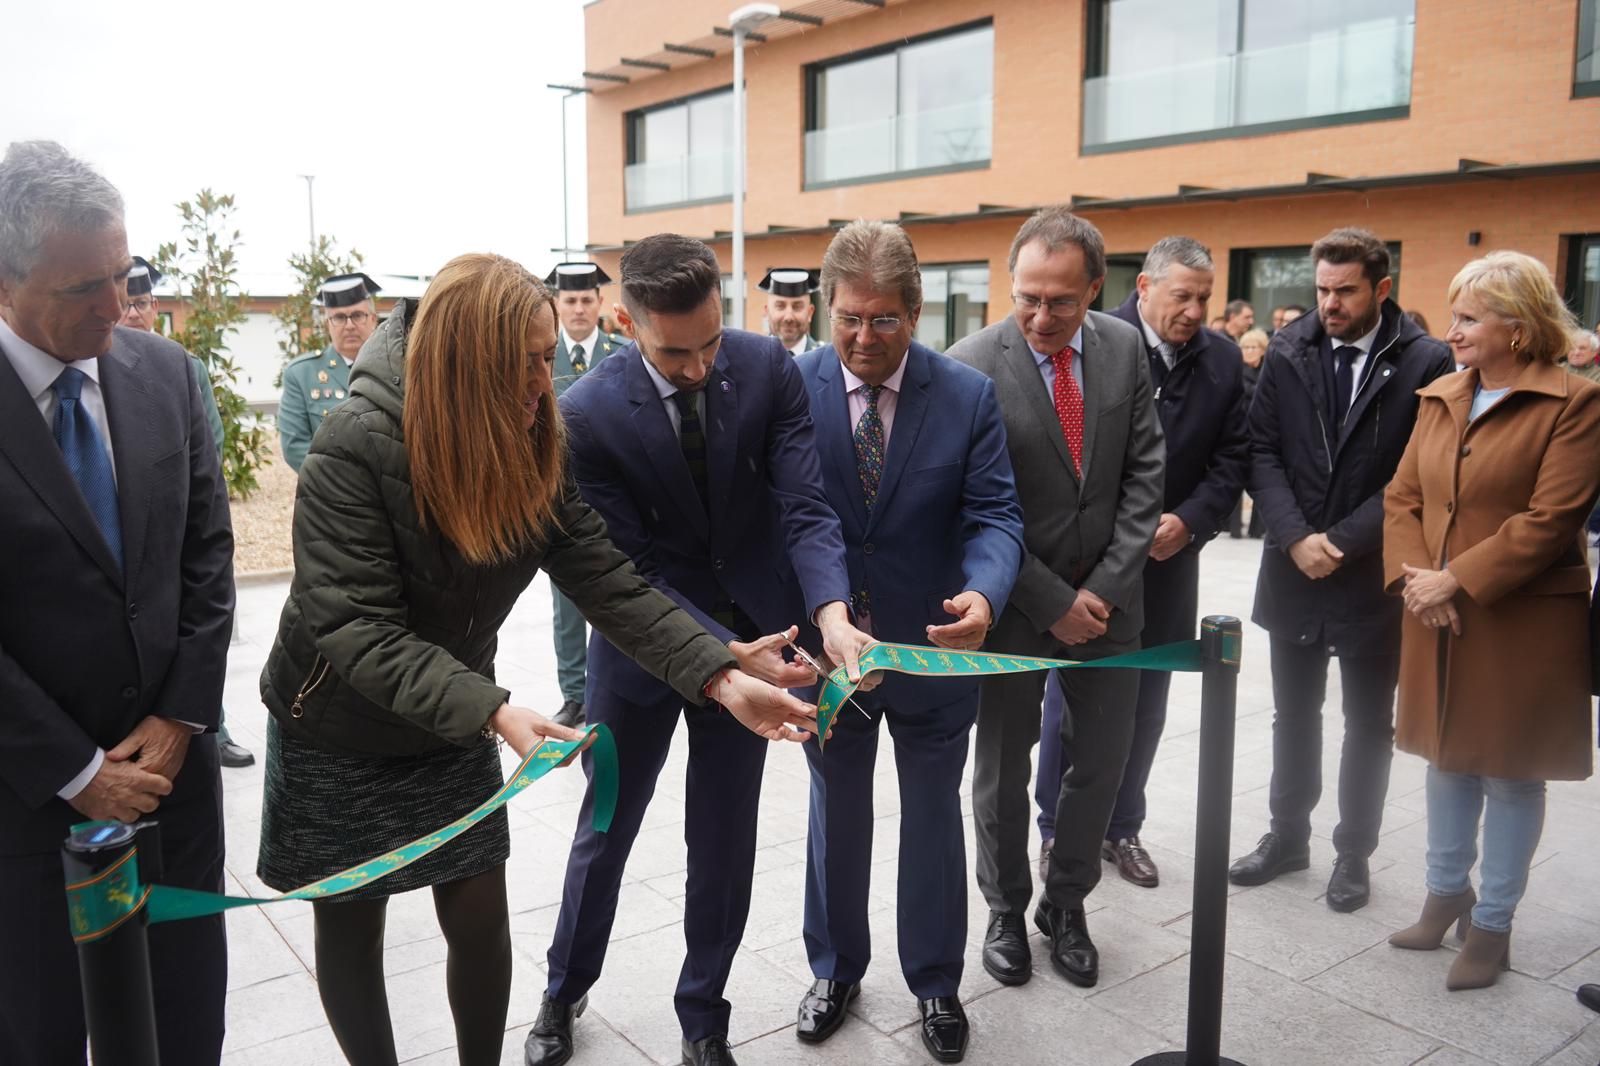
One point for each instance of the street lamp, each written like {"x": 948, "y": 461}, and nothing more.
{"x": 741, "y": 22}
{"x": 570, "y": 92}
{"x": 311, "y": 211}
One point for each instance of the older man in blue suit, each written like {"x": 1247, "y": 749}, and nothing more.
{"x": 695, "y": 445}
{"x": 914, "y": 461}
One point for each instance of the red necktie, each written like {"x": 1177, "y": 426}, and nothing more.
{"x": 1069, "y": 405}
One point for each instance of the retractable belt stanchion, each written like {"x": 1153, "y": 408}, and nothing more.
{"x": 1220, "y": 637}
{"x": 106, "y": 905}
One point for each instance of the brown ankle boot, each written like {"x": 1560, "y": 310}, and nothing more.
{"x": 1437, "y": 914}
{"x": 1480, "y": 960}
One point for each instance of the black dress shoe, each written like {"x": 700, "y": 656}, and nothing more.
{"x": 1589, "y": 996}
{"x": 570, "y": 714}
{"x": 1274, "y": 855}
{"x": 822, "y": 1010}
{"x": 1350, "y": 886}
{"x": 1006, "y": 955}
{"x": 1072, "y": 953}
{"x": 550, "y": 1041}
{"x": 944, "y": 1028}
{"x": 233, "y": 756}
{"x": 710, "y": 1051}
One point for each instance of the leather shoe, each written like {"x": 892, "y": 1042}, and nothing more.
{"x": 1350, "y": 886}
{"x": 233, "y": 756}
{"x": 1589, "y": 996}
{"x": 570, "y": 715}
{"x": 1274, "y": 855}
{"x": 944, "y": 1028}
{"x": 709, "y": 1051}
{"x": 1044, "y": 860}
{"x": 822, "y": 1010}
{"x": 1132, "y": 861}
{"x": 550, "y": 1041}
{"x": 1006, "y": 955}
{"x": 1072, "y": 953}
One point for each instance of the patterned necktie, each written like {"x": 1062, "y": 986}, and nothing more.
{"x": 79, "y": 440}
{"x": 869, "y": 446}
{"x": 578, "y": 365}
{"x": 1343, "y": 379}
{"x": 1069, "y": 405}
{"x": 692, "y": 439}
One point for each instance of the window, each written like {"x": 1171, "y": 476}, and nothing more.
{"x": 1583, "y": 279}
{"x": 1160, "y": 71}
{"x": 1586, "y": 79}
{"x": 1274, "y": 277}
{"x": 680, "y": 153}
{"x": 927, "y": 105}
{"x": 1121, "y": 272}
{"x": 955, "y": 303}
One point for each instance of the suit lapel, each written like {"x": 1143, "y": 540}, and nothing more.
{"x": 131, "y": 411}
{"x": 661, "y": 445}
{"x": 910, "y": 408}
{"x": 1018, "y": 359}
{"x": 1095, "y": 384}
{"x": 26, "y": 441}
{"x": 830, "y": 410}
{"x": 722, "y": 435}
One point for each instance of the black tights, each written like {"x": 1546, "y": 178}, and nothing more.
{"x": 477, "y": 931}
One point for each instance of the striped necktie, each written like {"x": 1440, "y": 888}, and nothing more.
{"x": 692, "y": 439}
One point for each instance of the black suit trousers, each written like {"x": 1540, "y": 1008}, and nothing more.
{"x": 41, "y": 1001}
{"x": 1299, "y": 687}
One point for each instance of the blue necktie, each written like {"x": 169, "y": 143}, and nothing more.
{"x": 79, "y": 440}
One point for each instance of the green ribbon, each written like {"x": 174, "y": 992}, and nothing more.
{"x": 100, "y": 904}
{"x": 1180, "y": 657}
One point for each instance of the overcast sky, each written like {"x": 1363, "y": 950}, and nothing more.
{"x": 428, "y": 126}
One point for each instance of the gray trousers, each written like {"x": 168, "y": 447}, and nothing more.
{"x": 572, "y": 647}
{"x": 1097, "y": 729}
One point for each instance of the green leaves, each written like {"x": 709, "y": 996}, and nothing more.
{"x": 297, "y": 317}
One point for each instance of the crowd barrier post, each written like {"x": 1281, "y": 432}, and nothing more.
{"x": 1220, "y": 638}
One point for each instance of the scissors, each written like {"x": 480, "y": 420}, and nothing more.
{"x": 805, "y": 657}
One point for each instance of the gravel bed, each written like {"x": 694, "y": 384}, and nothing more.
{"x": 261, "y": 524}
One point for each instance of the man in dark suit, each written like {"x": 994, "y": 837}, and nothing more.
{"x": 914, "y": 461}
{"x": 1333, "y": 410}
{"x": 1200, "y": 400}
{"x": 695, "y": 445}
{"x": 1086, "y": 448}
{"x": 114, "y": 623}
{"x": 580, "y": 345}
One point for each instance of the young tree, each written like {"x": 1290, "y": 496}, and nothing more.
{"x": 303, "y": 331}
{"x": 204, "y": 270}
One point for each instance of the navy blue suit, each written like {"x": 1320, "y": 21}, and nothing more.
{"x": 946, "y": 519}
{"x": 769, "y": 547}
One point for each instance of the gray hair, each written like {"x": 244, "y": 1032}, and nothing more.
{"x": 1182, "y": 251}
{"x": 44, "y": 189}
{"x": 876, "y": 254}
{"x": 1056, "y": 227}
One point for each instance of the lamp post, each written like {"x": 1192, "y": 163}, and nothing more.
{"x": 741, "y": 22}
{"x": 311, "y": 211}
{"x": 566, "y": 213}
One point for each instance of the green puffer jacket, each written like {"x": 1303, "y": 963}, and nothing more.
{"x": 387, "y": 642}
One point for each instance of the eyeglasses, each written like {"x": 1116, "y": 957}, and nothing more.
{"x": 141, "y": 304}
{"x": 350, "y": 318}
{"x": 887, "y": 325}
{"x": 1062, "y": 305}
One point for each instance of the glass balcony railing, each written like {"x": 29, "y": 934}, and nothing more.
{"x": 678, "y": 180}
{"x": 920, "y": 140}
{"x": 1364, "y": 67}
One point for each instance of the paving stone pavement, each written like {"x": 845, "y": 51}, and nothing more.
{"x": 1304, "y": 986}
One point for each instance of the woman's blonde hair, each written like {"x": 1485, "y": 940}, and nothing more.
{"x": 487, "y": 483}
{"x": 1519, "y": 288}
{"x": 1257, "y": 335}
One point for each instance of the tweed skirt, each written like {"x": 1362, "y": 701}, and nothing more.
{"x": 323, "y": 812}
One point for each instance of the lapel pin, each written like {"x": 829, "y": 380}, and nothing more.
{"x": 1385, "y": 371}
{"x": 726, "y": 387}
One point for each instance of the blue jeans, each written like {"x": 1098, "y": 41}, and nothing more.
{"x": 1513, "y": 819}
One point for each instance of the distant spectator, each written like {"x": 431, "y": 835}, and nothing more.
{"x": 1277, "y": 316}
{"x": 1253, "y": 348}
{"x": 1216, "y": 323}
{"x": 1422, "y": 323}
{"x": 1237, "y": 317}
{"x": 1292, "y": 312}
{"x": 1580, "y": 358}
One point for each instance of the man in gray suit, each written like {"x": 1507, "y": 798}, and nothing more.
{"x": 1087, "y": 449}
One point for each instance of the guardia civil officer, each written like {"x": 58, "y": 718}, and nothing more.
{"x": 313, "y": 385}
{"x": 789, "y": 306}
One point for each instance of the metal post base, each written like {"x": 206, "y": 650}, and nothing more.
{"x": 1181, "y": 1058}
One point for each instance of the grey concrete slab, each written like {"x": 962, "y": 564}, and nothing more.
{"x": 272, "y": 1010}
{"x": 852, "y": 1045}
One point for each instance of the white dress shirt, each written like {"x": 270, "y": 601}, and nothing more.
{"x": 1358, "y": 364}
{"x": 799, "y": 346}
{"x": 1152, "y": 340}
{"x": 1047, "y": 367}
{"x": 667, "y": 390}
{"x": 588, "y": 344}
{"x": 855, "y": 396}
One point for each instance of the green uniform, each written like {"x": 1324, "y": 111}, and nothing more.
{"x": 208, "y": 400}
{"x": 596, "y": 348}
{"x": 313, "y": 385}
